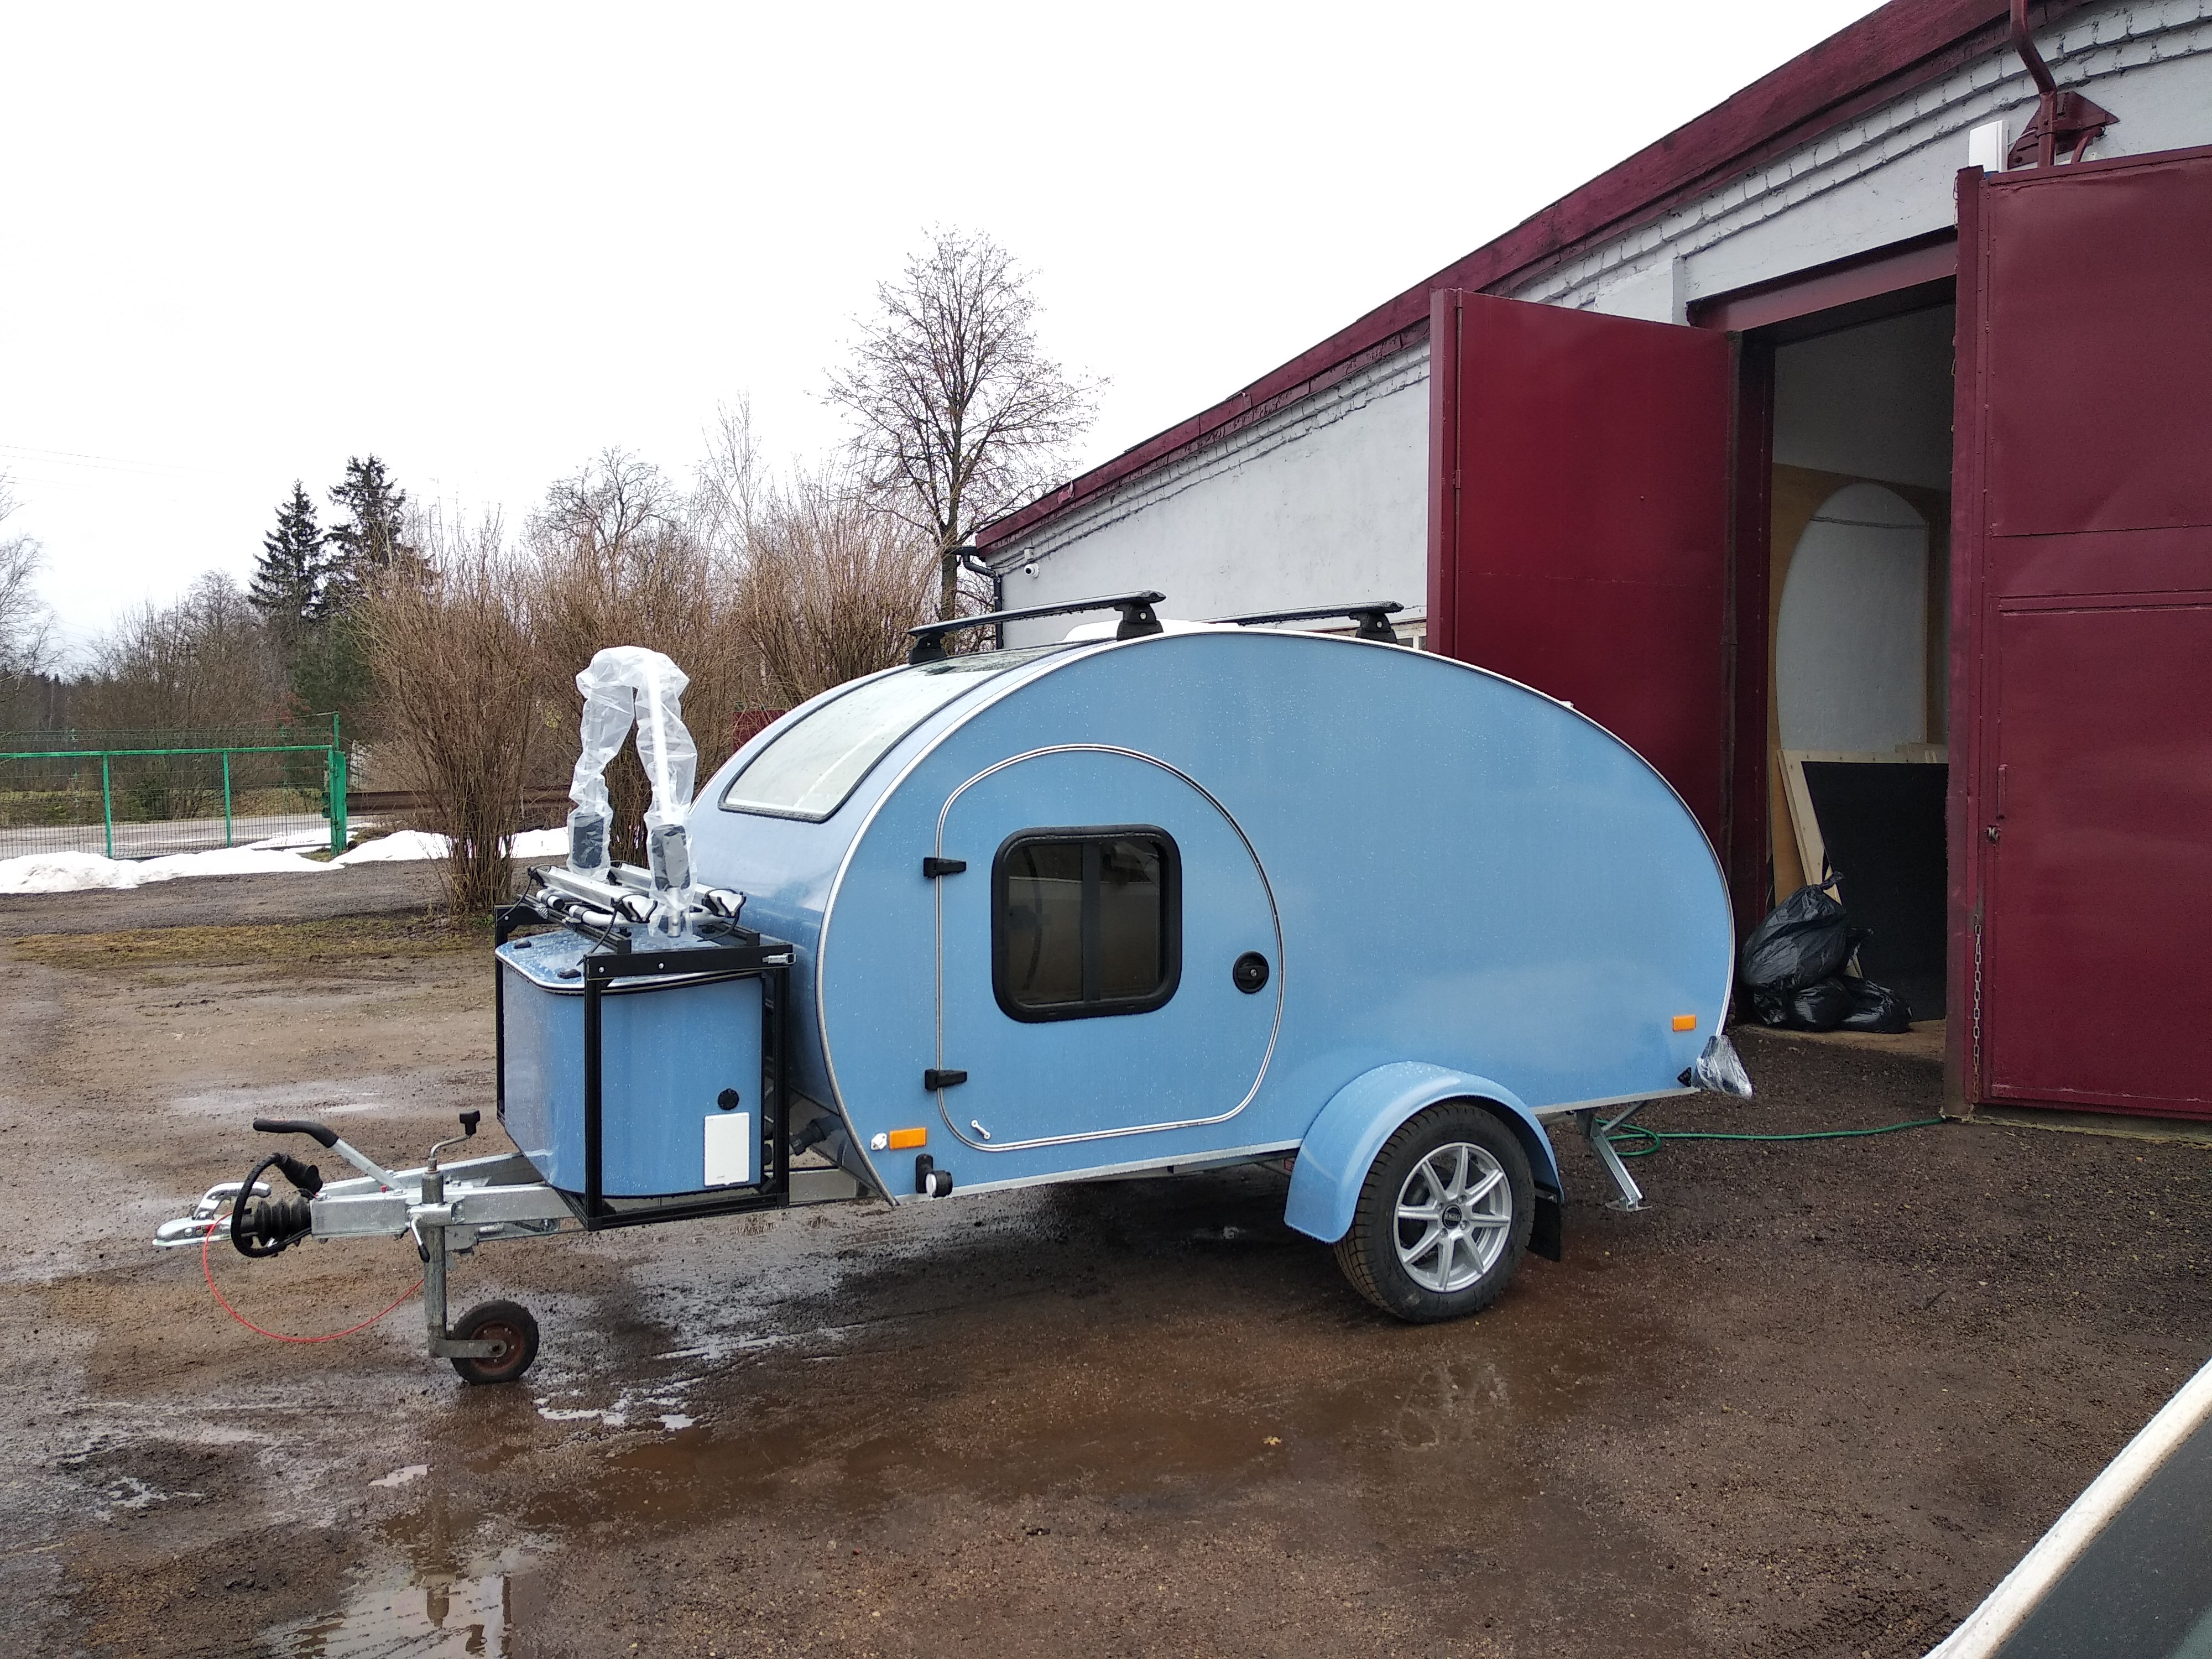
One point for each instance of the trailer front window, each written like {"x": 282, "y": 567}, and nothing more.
{"x": 812, "y": 765}
{"x": 1085, "y": 922}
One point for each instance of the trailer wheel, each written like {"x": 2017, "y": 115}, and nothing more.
{"x": 505, "y": 1322}
{"x": 1444, "y": 1216}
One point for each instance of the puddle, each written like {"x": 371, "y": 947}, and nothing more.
{"x": 1170, "y": 1415}
{"x": 478, "y": 1614}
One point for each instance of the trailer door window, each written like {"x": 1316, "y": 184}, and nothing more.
{"x": 1085, "y": 922}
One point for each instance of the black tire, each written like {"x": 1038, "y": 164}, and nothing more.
{"x": 1373, "y": 1253}
{"x": 506, "y": 1322}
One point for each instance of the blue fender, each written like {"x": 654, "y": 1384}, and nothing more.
{"x": 1340, "y": 1147}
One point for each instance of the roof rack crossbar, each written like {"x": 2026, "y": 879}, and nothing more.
{"x": 1368, "y": 613}
{"x": 1136, "y": 609}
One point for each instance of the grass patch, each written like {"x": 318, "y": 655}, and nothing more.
{"x": 337, "y": 942}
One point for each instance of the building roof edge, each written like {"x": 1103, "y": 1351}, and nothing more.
{"x": 1885, "y": 53}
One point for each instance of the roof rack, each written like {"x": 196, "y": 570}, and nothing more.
{"x": 1136, "y": 609}
{"x": 1368, "y": 613}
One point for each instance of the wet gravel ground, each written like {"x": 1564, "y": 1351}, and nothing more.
{"x": 1814, "y": 1401}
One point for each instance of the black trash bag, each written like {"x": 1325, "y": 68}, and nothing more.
{"x": 1876, "y": 1008}
{"x": 1821, "y": 1006}
{"x": 1804, "y": 939}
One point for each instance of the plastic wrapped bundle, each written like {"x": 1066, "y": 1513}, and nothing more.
{"x": 626, "y": 684}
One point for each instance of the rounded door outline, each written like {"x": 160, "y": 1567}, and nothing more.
{"x": 1274, "y": 920}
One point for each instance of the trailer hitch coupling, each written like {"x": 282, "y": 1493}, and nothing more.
{"x": 268, "y": 1226}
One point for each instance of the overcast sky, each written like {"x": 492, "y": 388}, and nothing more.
{"x": 238, "y": 244}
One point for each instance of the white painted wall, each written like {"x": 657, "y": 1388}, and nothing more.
{"x": 1324, "y": 503}
{"x": 1850, "y": 649}
{"x": 1873, "y": 402}
{"x": 1328, "y": 500}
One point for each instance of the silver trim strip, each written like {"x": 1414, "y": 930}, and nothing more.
{"x": 1195, "y": 1165}
{"x": 1613, "y": 1100}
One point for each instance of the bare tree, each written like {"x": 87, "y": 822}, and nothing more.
{"x": 205, "y": 663}
{"x": 448, "y": 638}
{"x": 957, "y": 413}
{"x": 26, "y": 625}
{"x": 831, "y": 587}
{"x": 726, "y": 495}
{"x": 201, "y": 666}
{"x": 620, "y": 561}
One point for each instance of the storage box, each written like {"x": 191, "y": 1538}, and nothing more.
{"x": 680, "y": 1063}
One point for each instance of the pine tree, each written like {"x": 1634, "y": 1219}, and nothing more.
{"x": 373, "y": 538}
{"x": 289, "y": 578}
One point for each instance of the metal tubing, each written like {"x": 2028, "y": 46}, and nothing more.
{"x": 1627, "y": 1195}
{"x": 339, "y": 829}
{"x": 593, "y": 1104}
{"x": 443, "y": 1344}
{"x": 225, "y": 798}
{"x": 107, "y": 804}
{"x": 433, "y": 1265}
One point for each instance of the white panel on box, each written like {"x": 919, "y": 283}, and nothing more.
{"x": 730, "y": 1149}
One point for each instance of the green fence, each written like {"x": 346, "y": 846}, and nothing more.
{"x": 135, "y": 795}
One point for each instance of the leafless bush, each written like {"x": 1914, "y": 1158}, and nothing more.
{"x": 621, "y": 561}
{"x": 459, "y": 690}
{"x": 830, "y": 587}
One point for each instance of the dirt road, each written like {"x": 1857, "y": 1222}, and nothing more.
{"x": 1814, "y": 1401}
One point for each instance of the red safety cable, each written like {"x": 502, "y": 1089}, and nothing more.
{"x": 207, "y": 1273}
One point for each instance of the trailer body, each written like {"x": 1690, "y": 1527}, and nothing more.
{"x": 1525, "y": 902}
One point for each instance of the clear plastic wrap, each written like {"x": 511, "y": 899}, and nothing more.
{"x": 1718, "y": 1068}
{"x": 626, "y": 684}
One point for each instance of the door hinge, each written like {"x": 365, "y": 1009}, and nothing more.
{"x": 931, "y": 868}
{"x": 934, "y": 1079}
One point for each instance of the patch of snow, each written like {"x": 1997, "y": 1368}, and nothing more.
{"x": 313, "y": 840}
{"x": 540, "y": 843}
{"x": 64, "y": 873}
{"x": 226, "y": 861}
{"x": 401, "y": 845}
{"x": 406, "y": 844}
{"x": 402, "y": 1476}
{"x": 78, "y": 872}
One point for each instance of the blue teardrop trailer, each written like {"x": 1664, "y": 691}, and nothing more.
{"x": 1158, "y": 898}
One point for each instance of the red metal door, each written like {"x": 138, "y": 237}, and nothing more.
{"x": 2082, "y": 803}
{"x": 1578, "y": 520}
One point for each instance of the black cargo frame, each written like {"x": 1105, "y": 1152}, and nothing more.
{"x": 751, "y": 957}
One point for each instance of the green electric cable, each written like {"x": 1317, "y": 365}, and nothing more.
{"x": 1654, "y": 1139}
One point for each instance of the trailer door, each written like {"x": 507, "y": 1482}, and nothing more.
{"x": 1110, "y": 966}
{"x": 2081, "y": 817}
{"x": 1578, "y": 521}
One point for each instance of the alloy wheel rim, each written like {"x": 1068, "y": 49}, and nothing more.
{"x": 1455, "y": 1214}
